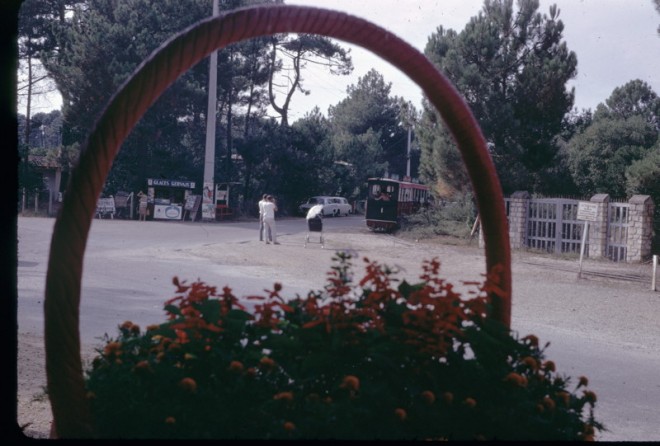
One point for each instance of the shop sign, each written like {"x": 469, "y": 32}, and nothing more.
{"x": 159, "y": 182}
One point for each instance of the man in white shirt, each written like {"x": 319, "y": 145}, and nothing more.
{"x": 262, "y": 227}
{"x": 269, "y": 210}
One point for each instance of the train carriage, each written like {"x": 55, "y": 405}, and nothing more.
{"x": 388, "y": 200}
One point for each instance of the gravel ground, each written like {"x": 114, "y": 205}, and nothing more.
{"x": 546, "y": 294}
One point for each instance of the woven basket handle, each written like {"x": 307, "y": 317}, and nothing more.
{"x": 63, "y": 363}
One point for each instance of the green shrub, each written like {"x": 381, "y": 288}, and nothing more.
{"x": 366, "y": 360}
{"x": 452, "y": 218}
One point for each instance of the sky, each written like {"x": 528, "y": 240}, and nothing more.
{"x": 616, "y": 41}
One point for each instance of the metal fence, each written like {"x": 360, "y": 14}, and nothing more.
{"x": 552, "y": 225}
{"x": 617, "y": 231}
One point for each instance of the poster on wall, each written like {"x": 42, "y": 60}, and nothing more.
{"x": 208, "y": 203}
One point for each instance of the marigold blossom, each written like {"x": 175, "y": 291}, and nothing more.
{"x": 400, "y": 413}
{"x": 350, "y": 382}
{"x": 188, "y": 384}
{"x": 428, "y": 396}
{"x": 286, "y": 396}
{"x": 236, "y": 366}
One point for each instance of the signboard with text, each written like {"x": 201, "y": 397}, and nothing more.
{"x": 587, "y": 211}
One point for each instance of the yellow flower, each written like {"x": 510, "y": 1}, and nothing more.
{"x": 188, "y": 384}
{"x": 400, "y": 413}
{"x": 350, "y": 382}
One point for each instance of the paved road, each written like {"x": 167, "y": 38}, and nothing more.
{"x": 606, "y": 330}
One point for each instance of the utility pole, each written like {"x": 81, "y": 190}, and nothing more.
{"x": 208, "y": 193}
{"x": 408, "y": 153}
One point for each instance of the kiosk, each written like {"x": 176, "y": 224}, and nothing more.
{"x": 166, "y": 198}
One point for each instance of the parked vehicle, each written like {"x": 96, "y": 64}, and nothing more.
{"x": 388, "y": 200}
{"x": 332, "y": 206}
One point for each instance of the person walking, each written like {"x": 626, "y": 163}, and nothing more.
{"x": 262, "y": 227}
{"x": 270, "y": 208}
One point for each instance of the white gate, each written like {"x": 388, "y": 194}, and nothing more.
{"x": 617, "y": 231}
{"x": 552, "y": 225}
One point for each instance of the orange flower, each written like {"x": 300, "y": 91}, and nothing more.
{"x": 286, "y": 396}
{"x": 516, "y": 379}
{"x": 540, "y": 408}
{"x": 448, "y": 397}
{"x": 549, "y": 403}
{"x": 289, "y": 426}
{"x": 143, "y": 367}
{"x": 565, "y": 397}
{"x": 530, "y": 362}
{"x": 470, "y": 402}
{"x": 428, "y": 396}
{"x": 170, "y": 420}
{"x": 251, "y": 372}
{"x": 583, "y": 381}
{"x": 590, "y": 396}
{"x": 533, "y": 340}
{"x": 400, "y": 413}
{"x": 153, "y": 327}
{"x": 350, "y": 382}
{"x": 90, "y": 395}
{"x": 549, "y": 366}
{"x": 236, "y": 366}
{"x": 126, "y": 325}
{"x": 267, "y": 362}
{"x": 112, "y": 348}
{"x": 188, "y": 384}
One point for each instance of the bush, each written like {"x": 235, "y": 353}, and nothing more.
{"x": 452, "y": 218}
{"x": 354, "y": 361}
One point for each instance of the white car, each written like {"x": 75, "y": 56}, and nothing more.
{"x": 332, "y": 206}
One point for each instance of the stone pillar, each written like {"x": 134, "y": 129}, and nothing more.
{"x": 640, "y": 228}
{"x": 598, "y": 228}
{"x": 518, "y": 213}
{"x": 517, "y": 219}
